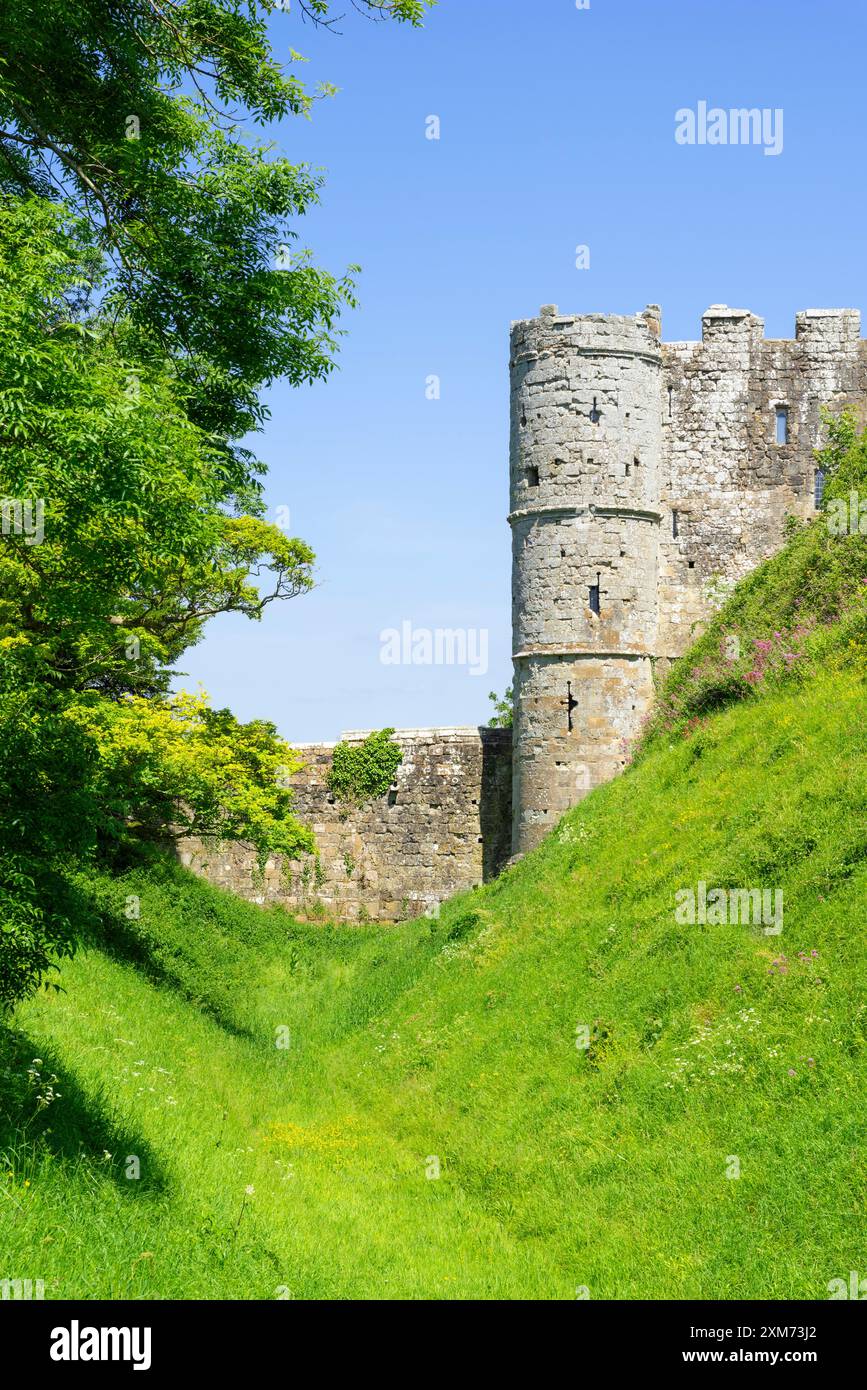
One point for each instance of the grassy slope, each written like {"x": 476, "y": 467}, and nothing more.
{"x": 560, "y": 1167}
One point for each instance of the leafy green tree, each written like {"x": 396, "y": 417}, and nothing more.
{"x": 135, "y": 116}
{"x": 115, "y": 549}
{"x": 88, "y": 773}
{"x": 151, "y": 283}
{"x": 176, "y": 767}
{"x": 134, "y": 551}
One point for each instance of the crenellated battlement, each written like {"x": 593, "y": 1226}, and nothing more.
{"x": 641, "y": 474}
{"x": 828, "y": 325}
{"x": 644, "y": 477}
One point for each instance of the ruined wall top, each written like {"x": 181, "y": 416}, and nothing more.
{"x": 456, "y": 733}
{"x": 443, "y": 827}
{"x": 644, "y": 329}
{"x": 643, "y": 476}
{"x": 616, "y": 333}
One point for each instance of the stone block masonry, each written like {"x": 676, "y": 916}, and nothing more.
{"x": 644, "y": 477}
{"x": 444, "y": 827}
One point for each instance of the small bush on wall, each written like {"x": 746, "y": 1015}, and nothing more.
{"x": 363, "y": 771}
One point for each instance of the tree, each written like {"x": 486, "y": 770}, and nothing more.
{"x": 175, "y": 767}
{"x": 115, "y": 549}
{"x": 143, "y": 306}
{"x": 502, "y": 715}
{"x": 133, "y": 115}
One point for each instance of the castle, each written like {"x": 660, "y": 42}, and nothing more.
{"x": 644, "y": 477}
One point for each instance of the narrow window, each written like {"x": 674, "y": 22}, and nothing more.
{"x": 636, "y": 462}
{"x": 532, "y": 476}
{"x": 594, "y": 596}
{"x": 675, "y": 527}
{"x": 819, "y": 487}
{"x": 782, "y": 424}
{"x": 596, "y": 413}
{"x": 670, "y": 394}
{"x": 627, "y": 470}
{"x": 571, "y": 703}
{"x": 692, "y": 564}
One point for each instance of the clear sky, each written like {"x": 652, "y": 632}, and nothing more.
{"x": 557, "y": 130}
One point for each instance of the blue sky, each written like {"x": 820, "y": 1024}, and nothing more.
{"x": 557, "y": 130}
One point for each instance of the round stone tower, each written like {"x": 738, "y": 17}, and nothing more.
{"x": 585, "y": 458}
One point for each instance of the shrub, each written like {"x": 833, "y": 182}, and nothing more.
{"x": 363, "y": 771}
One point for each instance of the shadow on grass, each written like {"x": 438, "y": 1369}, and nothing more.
{"x": 116, "y": 939}
{"x": 105, "y": 928}
{"x": 78, "y": 1126}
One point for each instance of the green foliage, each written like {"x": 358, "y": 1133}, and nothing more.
{"x": 150, "y": 284}
{"x": 137, "y": 550}
{"x": 177, "y": 767}
{"x": 46, "y": 823}
{"x": 502, "y": 715}
{"x": 137, "y": 117}
{"x": 33, "y": 936}
{"x": 363, "y": 771}
{"x": 803, "y": 611}
{"x": 90, "y": 775}
{"x": 456, "y": 1039}
{"x": 116, "y": 547}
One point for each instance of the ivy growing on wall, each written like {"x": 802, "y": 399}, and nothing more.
{"x": 363, "y": 771}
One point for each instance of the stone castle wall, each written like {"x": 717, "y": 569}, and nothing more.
{"x": 731, "y": 484}
{"x": 642, "y": 474}
{"x": 444, "y": 827}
